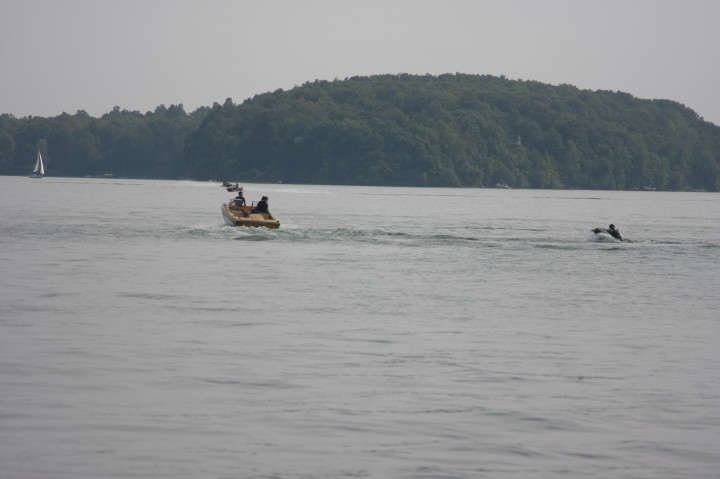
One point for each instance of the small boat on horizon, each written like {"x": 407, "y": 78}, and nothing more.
{"x": 39, "y": 170}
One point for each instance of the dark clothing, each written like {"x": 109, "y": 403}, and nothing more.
{"x": 261, "y": 207}
{"x": 239, "y": 200}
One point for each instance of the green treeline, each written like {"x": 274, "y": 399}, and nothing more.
{"x": 400, "y": 130}
{"x": 122, "y": 143}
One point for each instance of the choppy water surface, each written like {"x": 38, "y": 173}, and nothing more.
{"x": 380, "y": 333}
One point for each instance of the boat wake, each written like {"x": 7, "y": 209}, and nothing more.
{"x": 384, "y": 237}
{"x": 471, "y": 238}
{"x": 601, "y": 237}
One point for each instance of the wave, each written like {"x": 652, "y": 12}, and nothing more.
{"x": 487, "y": 237}
{"x": 472, "y": 237}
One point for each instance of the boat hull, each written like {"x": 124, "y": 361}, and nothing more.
{"x": 235, "y": 216}
{"x": 601, "y": 234}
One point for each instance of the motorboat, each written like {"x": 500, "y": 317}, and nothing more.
{"x": 244, "y": 216}
{"x": 604, "y": 234}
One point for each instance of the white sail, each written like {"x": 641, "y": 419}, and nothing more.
{"x": 39, "y": 170}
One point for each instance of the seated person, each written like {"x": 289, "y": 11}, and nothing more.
{"x": 261, "y": 206}
{"x": 614, "y": 232}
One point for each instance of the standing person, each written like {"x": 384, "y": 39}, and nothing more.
{"x": 239, "y": 199}
{"x": 261, "y": 206}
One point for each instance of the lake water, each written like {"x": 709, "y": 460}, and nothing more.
{"x": 379, "y": 333}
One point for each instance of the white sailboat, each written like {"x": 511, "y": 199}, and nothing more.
{"x": 39, "y": 170}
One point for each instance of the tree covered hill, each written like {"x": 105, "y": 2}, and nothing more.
{"x": 457, "y": 130}
{"x": 406, "y": 130}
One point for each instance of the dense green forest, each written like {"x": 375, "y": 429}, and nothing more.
{"x": 120, "y": 143}
{"x": 404, "y": 130}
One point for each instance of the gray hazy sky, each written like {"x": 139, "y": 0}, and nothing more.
{"x": 68, "y": 55}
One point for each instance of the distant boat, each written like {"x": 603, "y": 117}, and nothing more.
{"x": 39, "y": 170}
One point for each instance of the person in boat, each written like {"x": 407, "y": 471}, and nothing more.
{"x": 261, "y": 206}
{"x": 239, "y": 199}
{"x": 611, "y": 230}
{"x": 614, "y": 232}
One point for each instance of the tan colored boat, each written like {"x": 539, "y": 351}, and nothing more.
{"x": 243, "y": 216}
